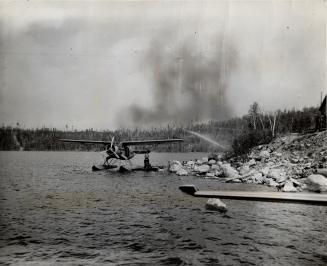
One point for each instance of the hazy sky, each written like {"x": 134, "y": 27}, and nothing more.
{"x": 108, "y": 64}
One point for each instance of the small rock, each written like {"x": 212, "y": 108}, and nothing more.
{"x": 181, "y": 172}
{"x": 265, "y": 171}
{"x": 190, "y": 164}
{"x": 220, "y": 164}
{"x": 244, "y": 170}
{"x": 212, "y": 161}
{"x": 288, "y": 187}
{"x": 264, "y": 154}
{"x": 216, "y": 205}
{"x": 237, "y": 180}
{"x": 251, "y": 162}
{"x": 174, "y": 166}
{"x": 277, "y": 174}
{"x": 257, "y": 178}
{"x": 229, "y": 171}
{"x": 296, "y": 183}
{"x": 219, "y": 157}
{"x": 297, "y": 171}
{"x": 205, "y": 160}
{"x": 218, "y": 173}
{"x": 215, "y": 167}
{"x": 317, "y": 183}
{"x": 210, "y": 175}
{"x": 203, "y": 168}
{"x": 282, "y": 178}
{"x": 294, "y": 160}
{"x": 271, "y": 183}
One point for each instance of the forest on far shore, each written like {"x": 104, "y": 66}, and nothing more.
{"x": 239, "y": 134}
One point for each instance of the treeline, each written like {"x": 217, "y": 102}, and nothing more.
{"x": 261, "y": 127}
{"x": 47, "y": 139}
{"x": 240, "y": 134}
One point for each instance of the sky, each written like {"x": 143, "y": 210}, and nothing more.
{"x": 113, "y": 64}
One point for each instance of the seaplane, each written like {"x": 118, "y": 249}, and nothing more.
{"x": 122, "y": 153}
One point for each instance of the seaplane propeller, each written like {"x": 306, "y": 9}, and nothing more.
{"x": 111, "y": 148}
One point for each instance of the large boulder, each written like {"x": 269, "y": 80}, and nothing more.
{"x": 204, "y": 168}
{"x": 317, "y": 183}
{"x": 175, "y": 166}
{"x": 216, "y": 205}
{"x": 229, "y": 171}
{"x": 322, "y": 171}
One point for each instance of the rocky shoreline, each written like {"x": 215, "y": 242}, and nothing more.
{"x": 290, "y": 163}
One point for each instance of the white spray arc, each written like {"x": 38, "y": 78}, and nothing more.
{"x": 206, "y": 138}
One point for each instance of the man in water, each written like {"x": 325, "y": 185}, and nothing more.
{"x": 147, "y": 165}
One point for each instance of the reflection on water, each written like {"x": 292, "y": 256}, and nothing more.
{"x": 55, "y": 210}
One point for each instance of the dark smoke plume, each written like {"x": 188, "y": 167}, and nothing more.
{"x": 189, "y": 84}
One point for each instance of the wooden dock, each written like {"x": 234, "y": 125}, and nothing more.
{"x": 295, "y": 197}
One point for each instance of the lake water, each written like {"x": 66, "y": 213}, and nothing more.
{"x": 55, "y": 211}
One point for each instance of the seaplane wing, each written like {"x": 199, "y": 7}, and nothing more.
{"x": 145, "y": 142}
{"x": 86, "y": 141}
{"x": 123, "y": 143}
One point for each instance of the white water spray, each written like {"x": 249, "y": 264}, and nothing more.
{"x": 206, "y": 138}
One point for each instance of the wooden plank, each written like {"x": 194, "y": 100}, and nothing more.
{"x": 296, "y": 197}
